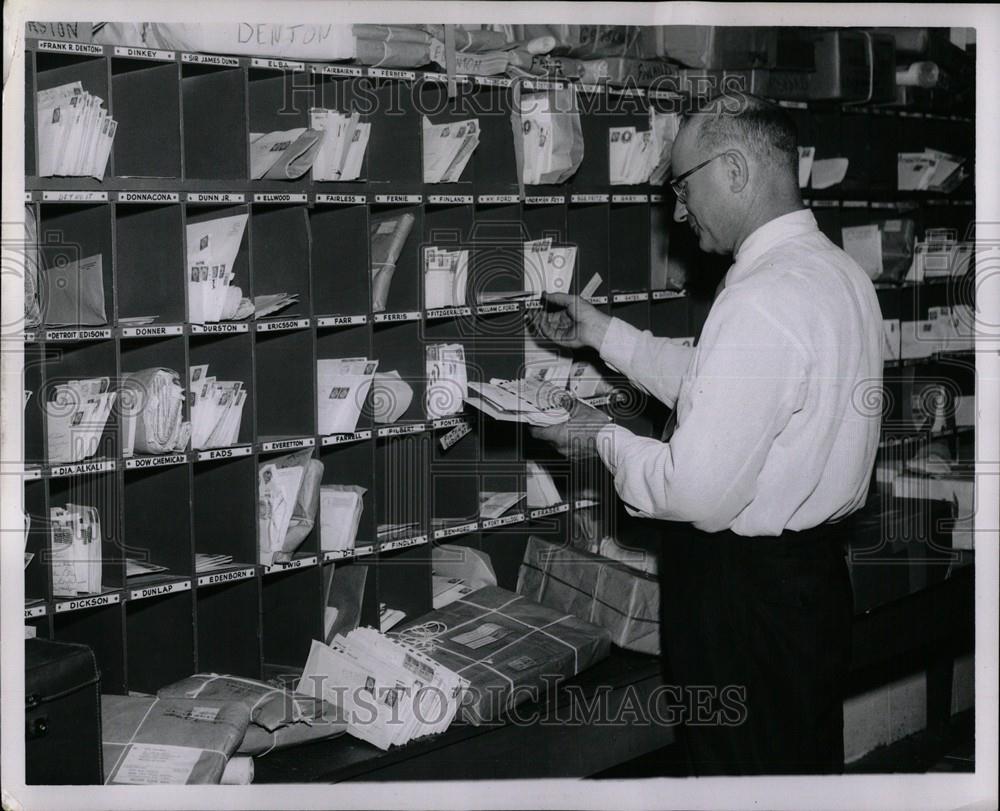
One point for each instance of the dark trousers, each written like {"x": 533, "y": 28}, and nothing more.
{"x": 757, "y": 634}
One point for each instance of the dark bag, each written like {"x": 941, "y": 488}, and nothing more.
{"x": 62, "y": 708}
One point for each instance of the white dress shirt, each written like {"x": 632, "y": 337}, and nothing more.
{"x": 778, "y": 406}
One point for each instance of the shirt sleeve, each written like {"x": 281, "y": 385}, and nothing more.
{"x": 750, "y": 379}
{"x": 656, "y": 365}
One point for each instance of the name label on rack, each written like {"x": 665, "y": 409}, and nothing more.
{"x": 448, "y": 422}
{"x": 492, "y": 81}
{"x": 222, "y": 328}
{"x": 34, "y": 611}
{"x": 77, "y": 334}
{"x": 289, "y": 565}
{"x": 27, "y": 197}
{"x": 145, "y": 53}
{"x": 598, "y": 300}
{"x": 74, "y": 196}
{"x": 215, "y": 197}
{"x": 454, "y": 435}
{"x": 341, "y": 320}
{"x": 629, "y": 198}
{"x": 489, "y": 309}
{"x": 544, "y": 200}
{"x": 148, "y": 197}
{"x": 276, "y": 326}
{"x": 286, "y": 444}
{"x": 382, "y": 318}
{"x": 583, "y": 503}
{"x": 487, "y": 199}
{"x": 361, "y": 551}
{"x": 31, "y": 473}
{"x": 491, "y": 523}
{"x": 84, "y": 467}
{"x": 277, "y": 64}
{"x": 855, "y": 204}
{"x": 398, "y": 198}
{"x": 826, "y": 203}
{"x": 338, "y": 70}
{"x": 278, "y": 197}
{"x": 449, "y": 312}
{"x": 403, "y": 543}
{"x": 152, "y": 332}
{"x": 656, "y": 198}
{"x": 588, "y": 198}
{"x": 451, "y": 532}
{"x": 402, "y": 430}
{"x": 158, "y": 591}
{"x": 70, "y": 47}
{"x": 389, "y": 73}
{"x": 155, "y": 461}
{"x": 344, "y": 439}
{"x": 344, "y": 199}
{"x": 624, "y": 298}
{"x": 338, "y": 554}
{"x": 533, "y": 304}
{"x": 225, "y": 577}
{"x": 224, "y": 453}
{"x": 87, "y": 602}
{"x": 661, "y": 295}
{"x": 449, "y": 198}
{"x": 598, "y": 402}
{"x": 209, "y": 59}
{"x": 555, "y": 509}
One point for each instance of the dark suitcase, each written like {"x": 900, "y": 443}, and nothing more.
{"x": 62, "y": 708}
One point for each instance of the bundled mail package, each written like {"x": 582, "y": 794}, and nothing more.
{"x": 341, "y": 392}
{"x": 548, "y": 138}
{"x": 508, "y": 647}
{"x": 178, "y": 741}
{"x": 447, "y": 380}
{"x": 884, "y": 250}
{"x": 344, "y": 139}
{"x": 152, "y": 406}
{"x": 388, "y": 236}
{"x": 447, "y": 149}
{"x": 75, "y": 418}
{"x": 527, "y": 401}
{"x": 930, "y": 170}
{"x": 285, "y": 155}
{"x": 340, "y": 508}
{"x": 77, "y": 561}
{"x": 73, "y": 293}
{"x": 548, "y": 268}
{"x": 287, "y": 499}
{"x": 605, "y": 592}
{"x": 265, "y": 705}
{"x": 216, "y": 409}
{"x": 446, "y": 274}
{"x": 212, "y": 248}
{"x": 642, "y": 156}
{"x": 75, "y": 132}
{"x": 390, "y": 692}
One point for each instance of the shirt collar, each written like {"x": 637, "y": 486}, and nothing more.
{"x": 787, "y": 226}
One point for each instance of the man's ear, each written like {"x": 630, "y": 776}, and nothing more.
{"x": 737, "y": 170}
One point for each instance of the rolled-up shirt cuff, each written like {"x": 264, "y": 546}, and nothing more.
{"x": 610, "y": 439}
{"x": 619, "y": 345}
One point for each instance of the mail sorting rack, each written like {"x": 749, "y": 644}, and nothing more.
{"x": 188, "y": 162}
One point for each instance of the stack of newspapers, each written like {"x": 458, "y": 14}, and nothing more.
{"x": 75, "y": 132}
{"x": 216, "y": 409}
{"x": 447, "y": 149}
{"x": 389, "y": 691}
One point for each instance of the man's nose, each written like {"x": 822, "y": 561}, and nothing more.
{"x": 680, "y": 211}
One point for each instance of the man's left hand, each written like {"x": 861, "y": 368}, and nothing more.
{"x": 577, "y": 437}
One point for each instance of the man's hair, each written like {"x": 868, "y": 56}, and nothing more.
{"x": 741, "y": 120}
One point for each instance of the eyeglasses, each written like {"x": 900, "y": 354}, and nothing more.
{"x": 677, "y": 183}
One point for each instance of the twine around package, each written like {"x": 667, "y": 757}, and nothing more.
{"x": 509, "y": 648}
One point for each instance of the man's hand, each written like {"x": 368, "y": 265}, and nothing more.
{"x": 569, "y": 321}
{"x": 575, "y": 438}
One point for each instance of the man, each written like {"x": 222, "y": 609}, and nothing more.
{"x": 774, "y": 444}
